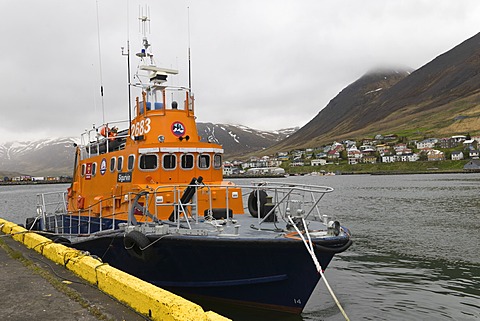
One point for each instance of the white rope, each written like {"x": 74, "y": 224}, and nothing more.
{"x": 309, "y": 246}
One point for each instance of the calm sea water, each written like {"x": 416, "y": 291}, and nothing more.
{"x": 416, "y": 251}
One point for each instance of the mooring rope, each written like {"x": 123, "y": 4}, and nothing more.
{"x": 309, "y": 246}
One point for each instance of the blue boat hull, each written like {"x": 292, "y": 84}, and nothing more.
{"x": 270, "y": 273}
{"x": 278, "y": 275}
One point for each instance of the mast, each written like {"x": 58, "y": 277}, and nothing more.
{"x": 129, "y": 83}
{"x": 127, "y": 54}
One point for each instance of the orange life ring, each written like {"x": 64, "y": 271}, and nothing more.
{"x": 80, "y": 202}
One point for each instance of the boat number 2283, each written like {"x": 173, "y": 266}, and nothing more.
{"x": 140, "y": 127}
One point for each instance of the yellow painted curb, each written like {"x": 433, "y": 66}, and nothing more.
{"x": 143, "y": 297}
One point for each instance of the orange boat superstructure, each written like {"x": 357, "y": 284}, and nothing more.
{"x": 157, "y": 156}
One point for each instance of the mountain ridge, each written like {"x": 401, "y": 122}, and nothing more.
{"x": 440, "y": 98}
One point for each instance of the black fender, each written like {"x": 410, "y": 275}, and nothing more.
{"x": 253, "y": 203}
{"x": 137, "y": 245}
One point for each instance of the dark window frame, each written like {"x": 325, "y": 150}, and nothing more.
{"x": 146, "y": 162}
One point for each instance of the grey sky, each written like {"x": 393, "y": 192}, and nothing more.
{"x": 263, "y": 64}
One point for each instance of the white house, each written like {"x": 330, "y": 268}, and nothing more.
{"x": 457, "y": 155}
{"x": 354, "y": 155}
{"x": 474, "y": 154}
{"x": 228, "y": 169}
{"x": 318, "y": 162}
{"x": 427, "y": 143}
{"x": 388, "y": 159}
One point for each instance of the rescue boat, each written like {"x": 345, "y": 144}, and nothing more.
{"x": 150, "y": 199}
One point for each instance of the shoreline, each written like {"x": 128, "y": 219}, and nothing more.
{"x": 393, "y": 172}
{"x": 35, "y": 182}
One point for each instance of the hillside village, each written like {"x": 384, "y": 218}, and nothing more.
{"x": 380, "y": 149}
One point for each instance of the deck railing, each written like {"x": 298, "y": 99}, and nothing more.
{"x": 284, "y": 200}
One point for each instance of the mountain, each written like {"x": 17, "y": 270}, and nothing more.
{"x": 54, "y": 157}
{"x": 439, "y": 99}
{"x": 41, "y": 157}
{"x": 238, "y": 140}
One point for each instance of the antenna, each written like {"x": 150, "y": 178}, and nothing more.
{"x": 100, "y": 64}
{"x": 189, "y": 60}
{"x": 127, "y": 54}
{"x": 144, "y": 20}
{"x": 144, "y": 26}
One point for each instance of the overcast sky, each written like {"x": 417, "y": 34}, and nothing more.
{"x": 264, "y": 64}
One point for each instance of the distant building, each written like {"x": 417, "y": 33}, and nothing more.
{"x": 472, "y": 166}
{"x": 447, "y": 143}
{"x": 457, "y": 155}
{"x": 297, "y": 162}
{"x": 266, "y": 171}
{"x": 427, "y": 143}
{"x": 459, "y": 138}
{"x": 390, "y": 137}
{"x": 471, "y": 143}
{"x": 354, "y": 155}
{"x": 388, "y": 159}
{"x": 369, "y": 159}
{"x": 474, "y": 154}
{"x": 333, "y": 155}
{"x": 228, "y": 169}
{"x": 318, "y": 162}
{"x": 435, "y": 155}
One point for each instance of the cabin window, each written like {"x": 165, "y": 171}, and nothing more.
{"x": 120, "y": 164}
{"x": 131, "y": 162}
{"x": 169, "y": 161}
{"x": 84, "y": 169}
{"x": 217, "y": 161}
{"x": 203, "y": 161}
{"x": 94, "y": 169}
{"x": 148, "y": 161}
{"x": 187, "y": 161}
{"x": 112, "y": 164}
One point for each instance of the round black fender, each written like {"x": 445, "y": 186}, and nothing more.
{"x": 137, "y": 245}
{"x": 253, "y": 203}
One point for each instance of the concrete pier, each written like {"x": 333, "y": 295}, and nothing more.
{"x": 46, "y": 281}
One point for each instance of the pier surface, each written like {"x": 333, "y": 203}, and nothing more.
{"x": 23, "y": 274}
{"x": 34, "y": 288}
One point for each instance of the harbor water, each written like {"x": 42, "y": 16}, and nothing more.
{"x": 416, "y": 251}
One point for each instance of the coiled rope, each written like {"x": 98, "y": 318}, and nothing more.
{"x": 309, "y": 246}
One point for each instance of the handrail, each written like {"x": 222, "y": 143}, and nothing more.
{"x": 284, "y": 196}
